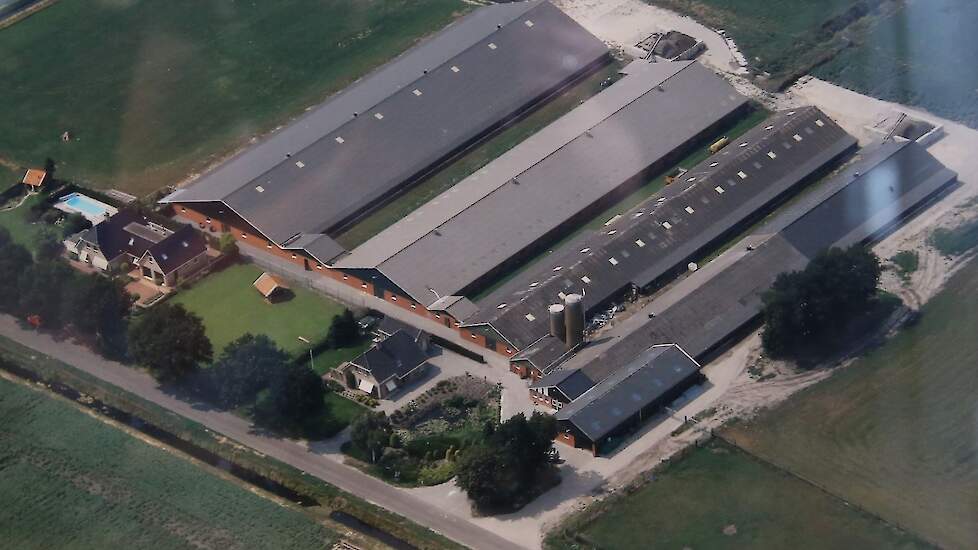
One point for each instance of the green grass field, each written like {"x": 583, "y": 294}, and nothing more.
{"x": 231, "y": 307}
{"x": 895, "y": 432}
{"x": 476, "y": 159}
{"x": 719, "y": 497}
{"x": 68, "y": 480}
{"x": 153, "y": 91}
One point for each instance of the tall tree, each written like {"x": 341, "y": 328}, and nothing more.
{"x": 343, "y": 331}
{"x": 371, "y": 433}
{"x": 95, "y": 304}
{"x": 805, "y": 311}
{"x": 41, "y": 288}
{"x": 245, "y": 367}
{"x": 14, "y": 259}
{"x": 294, "y": 395}
{"x": 73, "y": 223}
{"x": 170, "y": 341}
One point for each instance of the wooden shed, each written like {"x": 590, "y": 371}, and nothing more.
{"x": 271, "y": 287}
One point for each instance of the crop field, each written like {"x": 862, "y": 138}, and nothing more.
{"x": 921, "y": 55}
{"x": 154, "y": 91}
{"x": 720, "y": 497}
{"x": 68, "y": 480}
{"x": 777, "y": 36}
{"x": 895, "y": 432}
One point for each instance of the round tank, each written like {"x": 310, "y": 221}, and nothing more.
{"x": 574, "y": 320}
{"x": 557, "y": 321}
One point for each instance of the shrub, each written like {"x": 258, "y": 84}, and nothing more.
{"x": 436, "y": 474}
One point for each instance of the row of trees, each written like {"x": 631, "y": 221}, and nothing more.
{"x": 52, "y": 295}
{"x": 806, "y": 312}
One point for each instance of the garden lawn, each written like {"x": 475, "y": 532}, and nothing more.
{"x": 329, "y": 359}
{"x": 152, "y": 91}
{"x": 67, "y": 480}
{"x": 22, "y": 231}
{"x": 720, "y": 497}
{"x": 230, "y": 307}
{"x": 343, "y": 410}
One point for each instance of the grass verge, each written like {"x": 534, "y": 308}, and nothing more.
{"x": 955, "y": 241}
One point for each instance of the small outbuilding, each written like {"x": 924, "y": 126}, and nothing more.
{"x": 271, "y": 287}
{"x": 35, "y": 178}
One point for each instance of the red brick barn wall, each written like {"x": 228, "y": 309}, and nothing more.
{"x": 246, "y": 235}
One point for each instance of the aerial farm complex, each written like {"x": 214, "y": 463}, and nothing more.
{"x": 511, "y": 257}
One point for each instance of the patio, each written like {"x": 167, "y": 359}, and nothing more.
{"x": 147, "y": 292}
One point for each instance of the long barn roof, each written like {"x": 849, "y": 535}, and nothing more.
{"x": 702, "y": 206}
{"x": 388, "y": 128}
{"x": 710, "y": 305}
{"x": 545, "y": 181}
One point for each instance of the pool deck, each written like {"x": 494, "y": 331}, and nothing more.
{"x": 109, "y": 211}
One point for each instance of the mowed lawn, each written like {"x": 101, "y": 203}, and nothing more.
{"x": 720, "y": 497}
{"x": 231, "y": 307}
{"x": 67, "y": 480}
{"x": 22, "y": 230}
{"x": 152, "y": 91}
{"x": 896, "y": 432}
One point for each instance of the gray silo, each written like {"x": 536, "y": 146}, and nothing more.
{"x": 557, "y": 321}
{"x": 574, "y": 320}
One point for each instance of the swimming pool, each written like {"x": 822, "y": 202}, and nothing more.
{"x": 95, "y": 211}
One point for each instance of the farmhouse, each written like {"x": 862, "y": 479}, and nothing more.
{"x": 389, "y": 130}
{"x": 385, "y": 366}
{"x": 130, "y": 240}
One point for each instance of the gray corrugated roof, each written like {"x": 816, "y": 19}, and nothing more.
{"x": 510, "y": 164}
{"x": 643, "y": 249}
{"x": 648, "y": 377}
{"x": 356, "y": 98}
{"x": 710, "y": 305}
{"x": 559, "y": 186}
{"x": 348, "y": 167}
{"x": 321, "y": 247}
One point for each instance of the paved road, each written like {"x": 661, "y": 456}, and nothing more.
{"x": 290, "y": 452}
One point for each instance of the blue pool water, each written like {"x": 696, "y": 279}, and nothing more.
{"x": 86, "y": 205}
